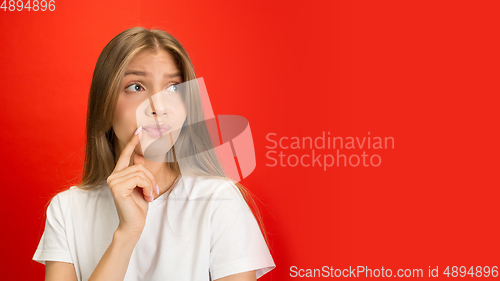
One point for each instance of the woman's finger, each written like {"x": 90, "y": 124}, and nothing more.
{"x": 124, "y": 159}
{"x": 140, "y": 162}
{"x": 138, "y": 181}
{"x": 135, "y": 168}
{"x": 117, "y": 181}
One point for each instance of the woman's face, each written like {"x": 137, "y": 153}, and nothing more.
{"x": 148, "y": 98}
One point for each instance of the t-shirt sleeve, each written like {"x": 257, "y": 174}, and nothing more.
{"x": 53, "y": 245}
{"x": 237, "y": 244}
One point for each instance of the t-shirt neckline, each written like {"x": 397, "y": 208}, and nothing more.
{"x": 164, "y": 196}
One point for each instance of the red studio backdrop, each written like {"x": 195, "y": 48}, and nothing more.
{"x": 418, "y": 80}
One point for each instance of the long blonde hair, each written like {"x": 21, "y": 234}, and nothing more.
{"x": 100, "y": 156}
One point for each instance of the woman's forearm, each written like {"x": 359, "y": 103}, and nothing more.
{"x": 114, "y": 263}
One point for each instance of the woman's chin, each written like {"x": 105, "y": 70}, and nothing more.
{"x": 161, "y": 158}
{"x": 158, "y": 153}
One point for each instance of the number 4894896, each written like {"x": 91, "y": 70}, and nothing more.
{"x": 478, "y": 271}
{"x": 35, "y": 5}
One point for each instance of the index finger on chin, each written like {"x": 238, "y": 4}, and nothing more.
{"x": 124, "y": 159}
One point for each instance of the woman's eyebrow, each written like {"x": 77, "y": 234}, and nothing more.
{"x": 138, "y": 73}
{"x": 175, "y": 74}
{"x": 146, "y": 74}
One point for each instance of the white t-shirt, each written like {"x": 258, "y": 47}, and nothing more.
{"x": 210, "y": 233}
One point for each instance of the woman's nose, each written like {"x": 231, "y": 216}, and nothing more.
{"x": 157, "y": 105}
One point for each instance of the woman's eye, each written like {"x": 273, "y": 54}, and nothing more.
{"x": 134, "y": 88}
{"x": 173, "y": 88}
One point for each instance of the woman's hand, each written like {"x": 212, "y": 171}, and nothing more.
{"x": 132, "y": 187}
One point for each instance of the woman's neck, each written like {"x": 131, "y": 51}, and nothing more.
{"x": 163, "y": 174}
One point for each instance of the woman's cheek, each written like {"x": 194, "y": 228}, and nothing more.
{"x": 118, "y": 118}
{"x": 127, "y": 113}
{"x": 125, "y": 119}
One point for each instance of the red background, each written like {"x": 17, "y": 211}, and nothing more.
{"x": 425, "y": 73}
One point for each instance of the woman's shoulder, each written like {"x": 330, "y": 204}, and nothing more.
{"x": 74, "y": 197}
{"x": 80, "y": 193}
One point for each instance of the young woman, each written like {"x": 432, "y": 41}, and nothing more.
{"x": 135, "y": 217}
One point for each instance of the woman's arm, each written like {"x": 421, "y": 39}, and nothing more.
{"x": 244, "y": 276}
{"x": 129, "y": 186}
{"x": 114, "y": 263}
{"x": 59, "y": 271}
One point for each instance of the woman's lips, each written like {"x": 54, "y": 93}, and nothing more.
{"x": 156, "y": 130}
